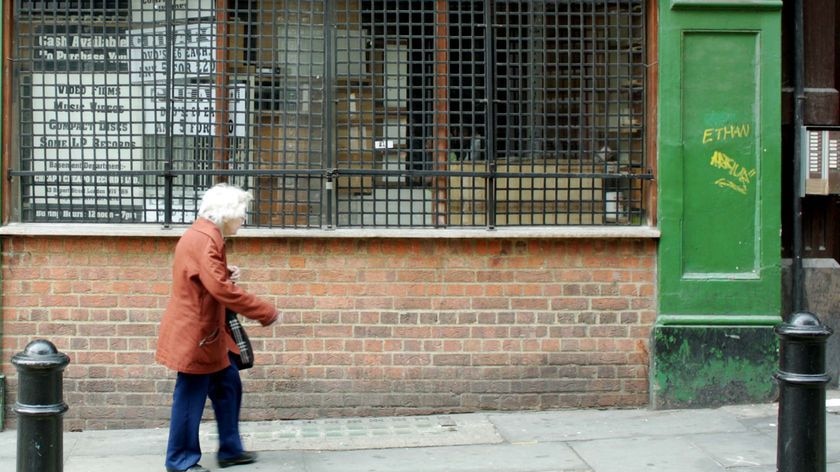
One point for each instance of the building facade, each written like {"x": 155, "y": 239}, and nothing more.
{"x": 459, "y": 205}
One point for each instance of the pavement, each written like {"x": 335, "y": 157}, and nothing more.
{"x": 737, "y": 438}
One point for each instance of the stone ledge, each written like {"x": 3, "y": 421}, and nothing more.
{"x": 151, "y": 230}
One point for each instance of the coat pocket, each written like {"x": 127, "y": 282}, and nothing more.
{"x": 211, "y": 338}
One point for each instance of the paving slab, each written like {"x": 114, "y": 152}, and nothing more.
{"x": 8, "y": 447}
{"x": 832, "y": 436}
{"x": 538, "y": 457}
{"x": 361, "y": 433}
{"x": 134, "y": 463}
{"x": 750, "y": 449}
{"x": 645, "y": 454}
{"x": 126, "y": 442}
{"x": 582, "y": 425}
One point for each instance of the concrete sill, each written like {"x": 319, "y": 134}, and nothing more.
{"x": 151, "y": 230}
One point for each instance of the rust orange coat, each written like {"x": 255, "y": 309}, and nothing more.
{"x": 193, "y": 337}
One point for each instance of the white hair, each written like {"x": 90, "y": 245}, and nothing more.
{"x": 224, "y": 202}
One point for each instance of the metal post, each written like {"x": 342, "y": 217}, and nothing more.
{"x": 40, "y": 407}
{"x": 799, "y": 97}
{"x": 802, "y": 380}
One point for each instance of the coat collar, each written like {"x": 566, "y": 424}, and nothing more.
{"x": 205, "y": 226}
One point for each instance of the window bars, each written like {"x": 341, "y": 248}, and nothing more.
{"x": 348, "y": 113}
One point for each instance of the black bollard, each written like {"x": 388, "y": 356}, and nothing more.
{"x": 802, "y": 380}
{"x": 40, "y": 407}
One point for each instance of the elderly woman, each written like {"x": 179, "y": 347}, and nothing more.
{"x": 193, "y": 339}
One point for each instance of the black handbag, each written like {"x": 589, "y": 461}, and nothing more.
{"x": 245, "y": 359}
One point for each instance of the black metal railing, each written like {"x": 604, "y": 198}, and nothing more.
{"x": 355, "y": 113}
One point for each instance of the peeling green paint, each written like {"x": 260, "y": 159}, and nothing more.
{"x": 710, "y": 366}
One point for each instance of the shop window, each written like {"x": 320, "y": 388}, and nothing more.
{"x": 353, "y": 113}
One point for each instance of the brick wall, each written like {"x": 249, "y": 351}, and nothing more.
{"x": 373, "y": 326}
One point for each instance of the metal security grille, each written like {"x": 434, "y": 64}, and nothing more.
{"x": 347, "y": 113}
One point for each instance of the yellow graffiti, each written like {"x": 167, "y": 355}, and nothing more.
{"x": 740, "y": 179}
{"x": 726, "y": 133}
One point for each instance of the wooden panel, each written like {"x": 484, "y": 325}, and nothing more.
{"x": 287, "y": 142}
{"x": 819, "y": 227}
{"x": 282, "y": 201}
{"x": 821, "y": 62}
{"x": 720, "y": 168}
{"x": 527, "y": 200}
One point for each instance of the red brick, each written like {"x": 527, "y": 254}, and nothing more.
{"x": 367, "y": 323}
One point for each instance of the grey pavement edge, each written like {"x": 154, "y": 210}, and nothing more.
{"x": 732, "y": 438}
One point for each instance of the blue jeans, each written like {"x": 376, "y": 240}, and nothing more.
{"x": 191, "y": 391}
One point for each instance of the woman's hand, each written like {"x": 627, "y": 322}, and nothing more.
{"x": 235, "y": 273}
